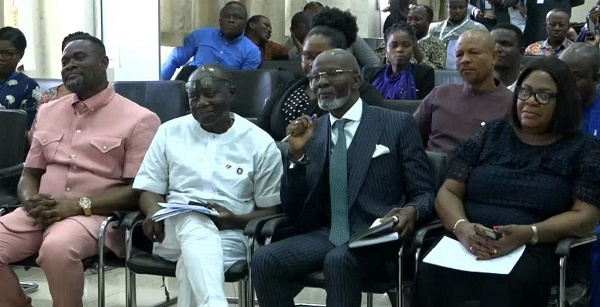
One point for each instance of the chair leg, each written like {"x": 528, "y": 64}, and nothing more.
{"x": 369, "y": 299}
{"x": 561, "y": 286}
{"x": 130, "y": 293}
{"x": 400, "y": 291}
{"x": 101, "y": 277}
{"x": 29, "y": 287}
{"x": 243, "y": 293}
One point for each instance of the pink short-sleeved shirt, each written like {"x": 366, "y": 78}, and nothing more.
{"x": 88, "y": 147}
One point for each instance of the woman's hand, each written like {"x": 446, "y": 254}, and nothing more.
{"x": 513, "y": 237}
{"x": 475, "y": 243}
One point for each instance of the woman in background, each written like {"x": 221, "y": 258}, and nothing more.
{"x": 296, "y": 98}
{"x": 401, "y": 79}
{"x": 17, "y": 90}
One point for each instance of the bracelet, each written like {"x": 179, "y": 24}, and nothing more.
{"x": 456, "y": 224}
{"x": 535, "y": 235}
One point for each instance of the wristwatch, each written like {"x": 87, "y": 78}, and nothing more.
{"x": 86, "y": 204}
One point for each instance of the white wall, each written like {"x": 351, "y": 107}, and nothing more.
{"x": 130, "y": 31}
{"x": 578, "y": 13}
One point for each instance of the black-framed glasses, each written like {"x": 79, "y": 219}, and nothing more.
{"x": 7, "y": 54}
{"x": 330, "y": 74}
{"x": 540, "y": 97}
{"x": 204, "y": 82}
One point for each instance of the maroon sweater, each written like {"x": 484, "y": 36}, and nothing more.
{"x": 451, "y": 113}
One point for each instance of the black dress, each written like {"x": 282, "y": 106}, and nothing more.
{"x": 510, "y": 182}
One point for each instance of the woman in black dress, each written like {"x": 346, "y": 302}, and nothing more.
{"x": 295, "y": 98}
{"x": 534, "y": 178}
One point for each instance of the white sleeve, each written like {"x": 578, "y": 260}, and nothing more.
{"x": 153, "y": 175}
{"x": 267, "y": 181}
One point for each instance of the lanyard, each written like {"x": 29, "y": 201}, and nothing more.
{"x": 442, "y": 37}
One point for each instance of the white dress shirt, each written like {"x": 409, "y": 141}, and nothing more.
{"x": 353, "y": 116}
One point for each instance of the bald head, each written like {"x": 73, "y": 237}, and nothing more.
{"x": 214, "y": 70}
{"x": 335, "y": 79}
{"x": 560, "y": 13}
{"x": 584, "y": 62}
{"x": 339, "y": 57}
{"x": 480, "y": 37}
{"x": 583, "y": 53}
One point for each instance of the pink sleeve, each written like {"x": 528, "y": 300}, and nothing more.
{"x": 138, "y": 143}
{"x": 35, "y": 156}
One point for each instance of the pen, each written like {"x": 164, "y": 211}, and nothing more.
{"x": 313, "y": 117}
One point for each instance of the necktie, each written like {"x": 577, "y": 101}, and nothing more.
{"x": 338, "y": 188}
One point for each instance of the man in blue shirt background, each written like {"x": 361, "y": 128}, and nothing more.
{"x": 227, "y": 46}
{"x": 584, "y": 61}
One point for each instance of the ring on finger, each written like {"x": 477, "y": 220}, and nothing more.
{"x": 495, "y": 251}
{"x": 471, "y": 249}
{"x": 296, "y": 122}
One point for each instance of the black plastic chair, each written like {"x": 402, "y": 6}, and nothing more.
{"x": 295, "y": 67}
{"x": 407, "y": 106}
{"x": 443, "y": 76}
{"x": 254, "y": 88}
{"x": 167, "y": 99}
{"x": 281, "y": 228}
{"x": 13, "y": 127}
{"x": 149, "y": 264}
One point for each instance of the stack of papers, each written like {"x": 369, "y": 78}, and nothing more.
{"x": 452, "y": 254}
{"x": 169, "y": 210}
{"x": 379, "y": 232}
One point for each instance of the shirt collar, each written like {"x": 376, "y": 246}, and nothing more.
{"x": 450, "y": 23}
{"x": 353, "y": 114}
{"x": 97, "y": 101}
{"x": 232, "y": 41}
{"x": 565, "y": 43}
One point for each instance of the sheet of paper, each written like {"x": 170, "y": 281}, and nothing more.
{"x": 200, "y": 209}
{"x": 452, "y": 254}
{"x": 540, "y": 1}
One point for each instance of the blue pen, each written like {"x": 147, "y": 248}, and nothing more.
{"x": 312, "y": 118}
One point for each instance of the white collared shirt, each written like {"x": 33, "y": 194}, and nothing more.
{"x": 353, "y": 115}
{"x": 237, "y": 169}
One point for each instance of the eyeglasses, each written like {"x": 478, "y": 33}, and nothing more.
{"x": 204, "y": 82}
{"x": 331, "y": 74}
{"x": 7, "y": 54}
{"x": 540, "y": 97}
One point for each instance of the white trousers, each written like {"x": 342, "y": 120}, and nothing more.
{"x": 193, "y": 240}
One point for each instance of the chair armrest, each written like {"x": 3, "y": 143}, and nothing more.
{"x": 118, "y": 216}
{"x": 131, "y": 219}
{"x": 254, "y": 227}
{"x": 433, "y": 229}
{"x": 11, "y": 171}
{"x": 564, "y": 246}
{"x": 273, "y": 225}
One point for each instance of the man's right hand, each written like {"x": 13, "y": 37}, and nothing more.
{"x": 592, "y": 39}
{"x": 155, "y": 231}
{"x": 594, "y": 14}
{"x": 38, "y": 200}
{"x": 301, "y": 130}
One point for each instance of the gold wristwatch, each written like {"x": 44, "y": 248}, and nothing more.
{"x": 86, "y": 204}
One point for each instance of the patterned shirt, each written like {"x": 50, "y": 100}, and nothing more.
{"x": 543, "y": 48}
{"x": 20, "y": 92}
{"x": 433, "y": 49}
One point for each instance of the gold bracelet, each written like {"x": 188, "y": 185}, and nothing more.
{"x": 456, "y": 224}
{"x": 535, "y": 235}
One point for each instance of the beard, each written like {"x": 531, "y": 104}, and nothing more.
{"x": 75, "y": 85}
{"x": 334, "y": 104}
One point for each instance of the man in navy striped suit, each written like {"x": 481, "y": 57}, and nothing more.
{"x": 343, "y": 171}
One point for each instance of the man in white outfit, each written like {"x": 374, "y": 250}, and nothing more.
{"x": 217, "y": 157}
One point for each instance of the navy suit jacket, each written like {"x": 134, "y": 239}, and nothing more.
{"x": 375, "y": 185}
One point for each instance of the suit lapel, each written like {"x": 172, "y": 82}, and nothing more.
{"x": 318, "y": 152}
{"x": 361, "y": 149}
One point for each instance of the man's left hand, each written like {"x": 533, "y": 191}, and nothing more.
{"x": 407, "y": 218}
{"x": 513, "y": 237}
{"x": 226, "y": 218}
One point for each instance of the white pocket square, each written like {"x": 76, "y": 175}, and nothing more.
{"x": 380, "y": 150}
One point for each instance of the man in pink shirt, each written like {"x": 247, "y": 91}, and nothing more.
{"x": 85, "y": 152}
